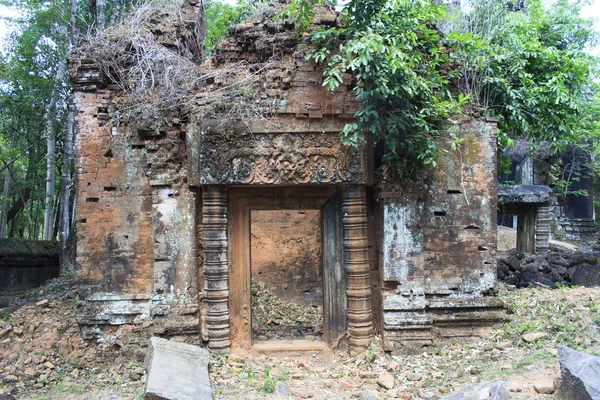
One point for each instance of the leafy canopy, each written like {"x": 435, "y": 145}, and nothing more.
{"x": 528, "y": 69}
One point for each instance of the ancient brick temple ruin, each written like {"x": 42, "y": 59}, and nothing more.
{"x": 167, "y": 214}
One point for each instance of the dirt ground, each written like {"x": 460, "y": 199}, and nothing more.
{"x": 42, "y": 355}
{"x": 507, "y": 238}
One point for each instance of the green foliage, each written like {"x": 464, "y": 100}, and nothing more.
{"x": 403, "y": 72}
{"x": 220, "y": 16}
{"x": 528, "y": 69}
{"x": 28, "y": 77}
{"x": 301, "y": 11}
{"x": 268, "y": 384}
{"x": 553, "y": 315}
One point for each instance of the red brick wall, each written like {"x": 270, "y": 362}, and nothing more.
{"x": 286, "y": 253}
{"x": 114, "y": 204}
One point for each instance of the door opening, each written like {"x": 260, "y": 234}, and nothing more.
{"x": 286, "y": 274}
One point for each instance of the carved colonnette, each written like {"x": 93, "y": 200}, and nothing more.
{"x": 216, "y": 267}
{"x": 356, "y": 260}
{"x": 542, "y": 229}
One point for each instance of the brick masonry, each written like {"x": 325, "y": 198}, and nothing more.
{"x": 286, "y": 253}
{"x": 438, "y": 247}
{"x": 418, "y": 261}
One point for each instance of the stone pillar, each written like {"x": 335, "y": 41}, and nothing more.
{"x": 356, "y": 260}
{"x": 526, "y": 230}
{"x": 216, "y": 267}
{"x": 542, "y": 230}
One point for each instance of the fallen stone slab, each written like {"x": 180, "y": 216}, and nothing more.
{"x": 534, "y": 336}
{"x": 177, "y": 371}
{"x": 483, "y": 391}
{"x": 544, "y": 386}
{"x": 580, "y": 374}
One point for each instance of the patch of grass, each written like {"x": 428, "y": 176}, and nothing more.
{"x": 284, "y": 375}
{"x": 563, "y": 323}
{"x": 268, "y": 384}
{"x": 372, "y": 352}
{"x": 75, "y": 389}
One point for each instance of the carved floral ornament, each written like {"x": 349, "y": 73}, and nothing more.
{"x": 278, "y": 158}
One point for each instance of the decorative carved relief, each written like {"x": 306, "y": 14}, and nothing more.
{"x": 275, "y": 158}
{"x": 356, "y": 249}
{"x": 542, "y": 229}
{"x": 216, "y": 267}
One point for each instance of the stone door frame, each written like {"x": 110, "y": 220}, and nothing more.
{"x": 227, "y": 295}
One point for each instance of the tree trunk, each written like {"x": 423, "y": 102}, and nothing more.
{"x": 6, "y": 195}
{"x": 73, "y": 23}
{"x": 65, "y": 191}
{"x": 92, "y": 14}
{"x": 116, "y": 13}
{"x": 56, "y": 223}
{"x": 195, "y": 43}
{"x": 51, "y": 153}
{"x": 5, "y": 203}
{"x": 100, "y": 14}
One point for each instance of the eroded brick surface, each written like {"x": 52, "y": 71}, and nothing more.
{"x": 286, "y": 254}
{"x": 420, "y": 259}
{"x": 439, "y": 242}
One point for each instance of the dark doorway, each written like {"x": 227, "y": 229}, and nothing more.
{"x": 253, "y": 216}
{"x": 286, "y": 274}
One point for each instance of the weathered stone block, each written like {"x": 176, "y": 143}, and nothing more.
{"x": 177, "y": 371}
{"x": 580, "y": 375}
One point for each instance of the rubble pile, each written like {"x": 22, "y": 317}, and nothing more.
{"x": 561, "y": 267}
{"x": 42, "y": 351}
{"x": 276, "y": 318}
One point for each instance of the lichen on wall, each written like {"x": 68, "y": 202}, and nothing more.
{"x": 438, "y": 246}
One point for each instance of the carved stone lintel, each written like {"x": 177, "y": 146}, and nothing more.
{"x": 542, "y": 230}
{"x": 216, "y": 267}
{"x": 274, "y": 159}
{"x": 356, "y": 258}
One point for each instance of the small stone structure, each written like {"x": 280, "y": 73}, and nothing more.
{"x": 571, "y": 215}
{"x": 26, "y": 264}
{"x": 531, "y": 205}
{"x": 164, "y": 227}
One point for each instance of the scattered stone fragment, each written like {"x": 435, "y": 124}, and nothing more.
{"x": 544, "y": 386}
{"x": 504, "y": 345}
{"x": 515, "y": 388}
{"x": 386, "y": 380}
{"x": 369, "y": 395}
{"x": 392, "y": 366}
{"x": 413, "y": 377}
{"x": 532, "y": 337}
{"x": 29, "y": 372}
{"x": 304, "y": 365}
{"x": 580, "y": 374}
{"x": 482, "y": 391}
{"x": 282, "y": 390}
{"x": 347, "y": 385}
{"x": 302, "y": 393}
{"x": 368, "y": 374}
{"x": 42, "y": 303}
